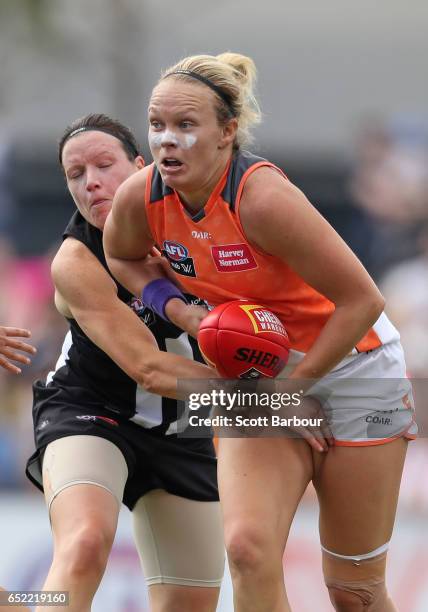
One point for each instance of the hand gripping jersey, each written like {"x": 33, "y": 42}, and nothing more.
{"x": 82, "y": 365}
{"x": 212, "y": 257}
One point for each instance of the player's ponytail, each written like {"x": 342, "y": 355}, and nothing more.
{"x": 245, "y": 74}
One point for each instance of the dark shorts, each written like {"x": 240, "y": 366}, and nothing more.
{"x": 182, "y": 466}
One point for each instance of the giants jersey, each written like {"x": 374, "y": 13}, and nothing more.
{"x": 212, "y": 257}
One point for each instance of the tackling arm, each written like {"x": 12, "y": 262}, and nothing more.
{"x": 91, "y": 297}
{"x": 128, "y": 243}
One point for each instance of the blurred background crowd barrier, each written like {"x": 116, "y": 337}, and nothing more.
{"x": 345, "y": 116}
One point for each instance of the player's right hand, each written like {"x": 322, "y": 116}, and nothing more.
{"x": 10, "y": 347}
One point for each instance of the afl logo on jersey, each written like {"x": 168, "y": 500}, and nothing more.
{"x": 178, "y": 256}
{"x": 175, "y": 250}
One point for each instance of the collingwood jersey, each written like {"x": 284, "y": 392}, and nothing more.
{"x": 82, "y": 365}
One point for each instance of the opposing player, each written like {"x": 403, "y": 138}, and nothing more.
{"x": 233, "y": 227}
{"x": 101, "y": 439}
{"x": 9, "y": 345}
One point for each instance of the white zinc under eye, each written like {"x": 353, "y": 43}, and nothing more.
{"x": 184, "y": 141}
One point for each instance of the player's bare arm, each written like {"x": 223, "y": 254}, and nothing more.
{"x": 88, "y": 292}
{"x": 128, "y": 246}
{"x": 278, "y": 218}
{"x": 127, "y": 238}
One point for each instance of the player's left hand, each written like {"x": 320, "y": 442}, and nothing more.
{"x": 318, "y": 436}
{"x": 9, "y": 347}
{"x": 306, "y": 419}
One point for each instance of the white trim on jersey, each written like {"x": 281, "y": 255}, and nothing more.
{"x": 148, "y": 405}
{"x": 66, "y": 346}
{"x": 148, "y": 409}
{"x": 386, "y": 330}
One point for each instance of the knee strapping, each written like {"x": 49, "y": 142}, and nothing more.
{"x": 378, "y": 553}
{"x": 371, "y": 594}
{"x": 358, "y": 579}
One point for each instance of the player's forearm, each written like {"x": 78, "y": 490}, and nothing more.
{"x": 345, "y": 328}
{"x": 162, "y": 373}
{"x": 132, "y": 274}
{"x": 130, "y": 344}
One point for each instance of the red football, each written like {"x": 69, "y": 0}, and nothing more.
{"x": 244, "y": 340}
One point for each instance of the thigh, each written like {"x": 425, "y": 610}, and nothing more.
{"x": 177, "y": 598}
{"x": 358, "y": 488}
{"x": 83, "y": 460}
{"x": 83, "y": 479}
{"x": 84, "y": 516}
{"x": 261, "y": 481}
{"x": 179, "y": 540}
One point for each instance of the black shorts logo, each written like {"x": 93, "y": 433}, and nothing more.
{"x": 43, "y": 425}
{"x": 178, "y": 257}
{"x": 94, "y": 418}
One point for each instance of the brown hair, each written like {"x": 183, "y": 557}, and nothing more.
{"x": 101, "y": 123}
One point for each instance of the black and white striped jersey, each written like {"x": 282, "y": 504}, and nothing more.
{"x": 82, "y": 365}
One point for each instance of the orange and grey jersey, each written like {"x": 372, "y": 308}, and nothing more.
{"x": 212, "y": 258}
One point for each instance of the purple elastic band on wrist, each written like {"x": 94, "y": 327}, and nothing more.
{"x": 157, "y": 294}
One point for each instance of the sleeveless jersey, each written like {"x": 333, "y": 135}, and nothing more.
{"x": 83, "y": 364}
{"x": 211, "y": 256}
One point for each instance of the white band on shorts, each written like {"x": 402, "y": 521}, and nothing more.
{"x": 356, "y": 558}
